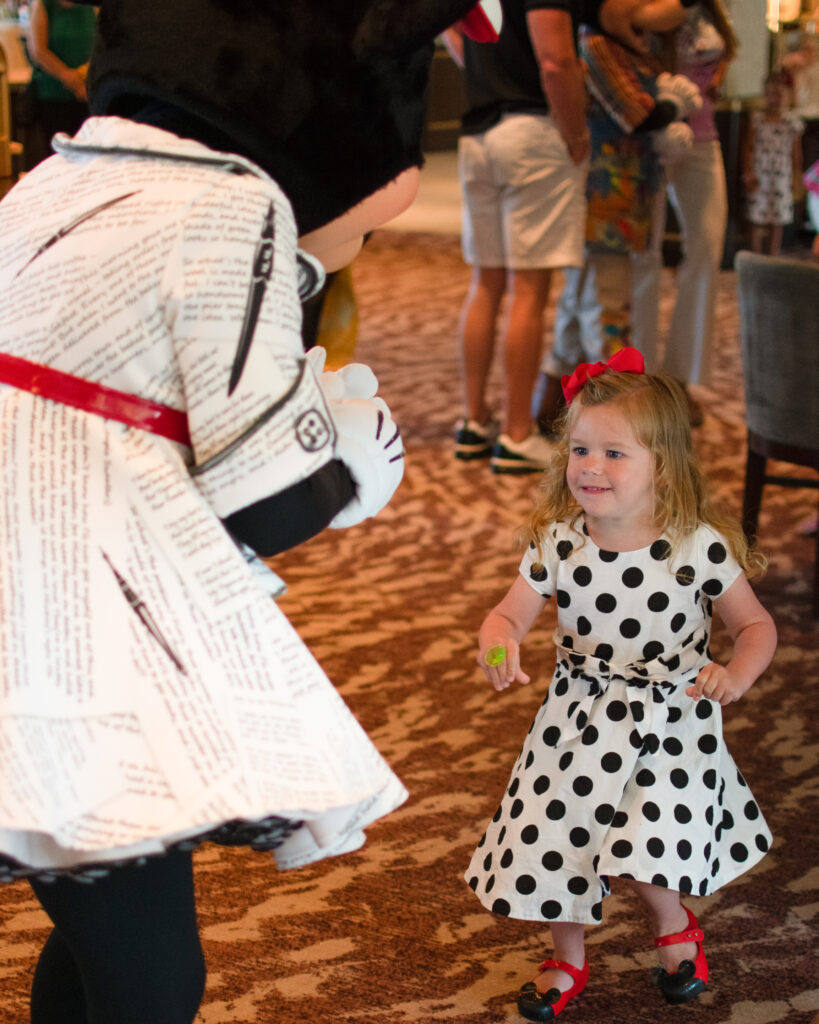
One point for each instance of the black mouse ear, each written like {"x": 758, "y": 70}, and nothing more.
{"x": 391, "y": 26}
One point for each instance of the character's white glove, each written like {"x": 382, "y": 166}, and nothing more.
{"x": 368, "y": 441}
{"x": 672, "y": 141}
{"x": 681, "y": 91}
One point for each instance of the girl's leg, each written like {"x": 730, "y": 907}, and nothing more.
{"x": 757, "y": 237}
{"x": 776, "y": 239}
{"x": 666, "y": 917}
{"x": 567, "y": 938}
{"x": 128, "y": 942}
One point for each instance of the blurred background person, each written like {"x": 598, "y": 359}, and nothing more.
{"x": 60, "y": 39}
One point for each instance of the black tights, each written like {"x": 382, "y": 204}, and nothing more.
{"x": 125, "y": 948}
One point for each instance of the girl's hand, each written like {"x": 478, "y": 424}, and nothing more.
{"x": 507, "y": 671}
{"x": 717, "y": 684}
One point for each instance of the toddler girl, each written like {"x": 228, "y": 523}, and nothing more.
{"x": 772, "y": 165}
{"x": 624, "y": 772}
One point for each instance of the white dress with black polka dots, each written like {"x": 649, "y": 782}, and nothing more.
{"x": 621, "y": 773}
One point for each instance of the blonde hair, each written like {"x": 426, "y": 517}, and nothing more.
{"x": 657, "y": 411}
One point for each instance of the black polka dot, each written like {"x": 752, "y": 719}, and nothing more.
{"x": 713, "y": 588}
{"x": 506, "y": 859}
{"x": 608, "y": 556}
{"x": 604, "y": 651}
{"x": 582, "y": 785}
{"x": 651, "y": 743}
{"x": 651, "y": 811}
{"x": 552, "y": 861}
{"x": 564, "y": 549}
{"x": 551, "y": 736}
{"x": 611, "y": 762}
{"x": 672, "y": 663}
{"x": 678, "y": 622}
{"x": 653, "y": 649}
{"x": 645, "y": 777}
{"x": 682, "y": 814}
{"x": 530, "y": 834}
{"x": 672, "y": 746}
{"x": 516, "y": 809}
{"x": 739, "y": 851}
{"x": 561, "y": 686}
{"x": 597, "y": 911}
{"x": 761, "y": 843}
{"x": 525, "y": 885}
{"x": 620, "y": 820}
{"x": 530, "y": 757}
{"x": 674, "y": 715}
{"x": 473, "y": 883}
{"x": 541, "y": 784}
{"x": 717, "y": 553}
{"x": 638, "y": 712}
{"x": 555, "y": 810}
{"x": 498, "y": 813}
{"x": 635, "y": 739}
{"x": 605, "y": 603}
{"x": 660, "y": 880}
{"x": 703, "y": 887}
{"x": 683, "y": 849}
{"x": 501, "y": 835}
{"x": 707, "y": 744}
{"x": 704, "y": 709}
{"x": 751, "y": 811}
{"x": 621, "y": 848}
{"x": 501, "y": 907}
{"x": 538, "y": 572}
{"x": 577, "y": 885}
{"x": 629, "y": 628}
{"x": 579, "y": 837}
{"x": 582, "y": 576}
{"x": 563, "y": 599}
{"x": 551, "y": 909}
{"x": 633, "y": 577}
{"x": 658, "y": 602}
{"x": 655, "y": 846}
{"x": 659, "y": 550}
{"x": 584, "y": 627}
{"x": 604, "y": 814}
{"x": 589, "y": 736}
{"x": 616, "y": 711}
{"x": 685, "y": 884}
{"x": 565, "y": 760}
{"x": 685, "y": 575}
{"x": 514, "y": 786}
{"x": 487, "y": 862}
{"x": 582, "y": 718}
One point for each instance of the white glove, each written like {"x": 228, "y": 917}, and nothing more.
{"x": 672, "y": 141}
{"x": 681, "y": 91}
{"x": 368, "y": 441}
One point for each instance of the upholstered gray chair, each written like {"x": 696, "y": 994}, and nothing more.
{"x": 779, "y": 335}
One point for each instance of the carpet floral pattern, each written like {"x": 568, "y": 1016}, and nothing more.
{"x": 391, "y": 934}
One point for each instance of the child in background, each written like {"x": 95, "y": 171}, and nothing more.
{"x": 624, "y": 773}
{"x": 772, "y": 165}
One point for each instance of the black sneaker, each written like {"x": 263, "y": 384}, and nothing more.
{"x": 473, "y": 441}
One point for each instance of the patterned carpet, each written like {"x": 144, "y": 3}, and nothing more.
{"x": 391, "y": 934}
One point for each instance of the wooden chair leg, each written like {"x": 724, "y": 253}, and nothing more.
{"x": 752, "y": 497}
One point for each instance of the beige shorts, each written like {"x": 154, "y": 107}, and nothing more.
{"x": 524, "y": 200}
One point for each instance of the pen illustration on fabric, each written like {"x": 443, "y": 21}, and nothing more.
{"x": 262, "y": 269}
{"x": 144, "y": 616}
{"x": 83, "y": 217}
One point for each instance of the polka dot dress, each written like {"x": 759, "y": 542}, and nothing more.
{"x": 621, "y": 774}
{"x": 771, "y": 200}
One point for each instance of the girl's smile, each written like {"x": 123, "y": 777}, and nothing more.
{"x": 611, "y": 475}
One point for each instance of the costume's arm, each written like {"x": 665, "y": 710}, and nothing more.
{"x": 561, "y": 76}
{"x": 614, "y": 83}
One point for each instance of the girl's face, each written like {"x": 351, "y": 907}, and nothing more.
{"x": 610, "y": 474}
{"x": 775, "y": 96}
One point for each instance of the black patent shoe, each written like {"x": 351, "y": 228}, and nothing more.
{"x": 534, "y": 1005}
{"x": 686, "y": 983}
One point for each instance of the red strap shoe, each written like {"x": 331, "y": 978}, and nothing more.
{"x": 689, "y": 979}
{"x": 534, "y": 1005}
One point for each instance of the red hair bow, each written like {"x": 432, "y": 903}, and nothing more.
{"x": 627, "y": 360}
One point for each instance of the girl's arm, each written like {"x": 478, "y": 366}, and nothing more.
{"x": 506, "y": 626}
{"x": 754, "y": 635}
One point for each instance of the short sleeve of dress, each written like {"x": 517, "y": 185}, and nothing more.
{"x": 717, "y": 568}
{"x": 539, "y": 566}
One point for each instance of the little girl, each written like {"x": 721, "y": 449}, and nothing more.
{"x": 772, "y": 165}
{"x": 624, "y": 772}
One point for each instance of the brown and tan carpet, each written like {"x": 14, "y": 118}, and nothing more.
{"x": 391, "y": 934}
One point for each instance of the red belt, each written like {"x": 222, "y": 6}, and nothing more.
{"x": 121, "y": 406}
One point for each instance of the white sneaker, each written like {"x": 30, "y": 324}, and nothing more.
{"x": 529, "y": 456}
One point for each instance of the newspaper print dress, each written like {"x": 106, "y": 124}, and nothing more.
{"x": 151, "y": 689}
{"x": 621, "y": 773}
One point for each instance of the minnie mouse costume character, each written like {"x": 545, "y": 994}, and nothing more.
{"x": 160, "y": 428}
